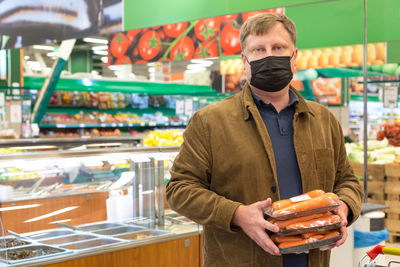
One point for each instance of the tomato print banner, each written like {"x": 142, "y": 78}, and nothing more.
{"x": 203, "y": 38}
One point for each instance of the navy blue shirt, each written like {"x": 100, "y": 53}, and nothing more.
{"x": 280, "y": 129}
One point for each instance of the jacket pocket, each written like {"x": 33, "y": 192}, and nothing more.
{"x": 325, "y": 168}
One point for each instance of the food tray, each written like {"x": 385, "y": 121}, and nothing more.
{"x": 67, "y": 239}
{"x": 142, "y": 234}
{"x": 11, "y": 242}
{"x": 11, "y": 255}
{"x": 99, "y": 226}
{"x": 91, "y": 244}
{"x": 312, "y": 245}
{"x": 49, "y": 234}
{"x": 308, "y": 230}
{"x": 120, "y": 230}
{"x": 269, "y": 212}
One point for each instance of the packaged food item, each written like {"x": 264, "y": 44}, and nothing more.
{"x": 301, "y": 243}
{"x": 277, "y": 205}
{"x": 304, "y": 205}
{"x": 322, "y": 221}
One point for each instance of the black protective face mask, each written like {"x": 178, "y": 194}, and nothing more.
{"x": 271, "y": 73}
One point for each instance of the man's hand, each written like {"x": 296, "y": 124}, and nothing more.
{"x": 343, "y": 212}
{"x": 251, "y": 219}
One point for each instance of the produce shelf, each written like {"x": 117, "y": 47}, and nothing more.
{"x": 110, "y": 125}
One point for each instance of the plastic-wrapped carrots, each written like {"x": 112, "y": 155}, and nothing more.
{"x": 323, "y": 200}
{"x": 292, "y": 241}
{"x": 285, "y": 223}
{"x": 277, "y": 205}
{"x": 326, "y": 220}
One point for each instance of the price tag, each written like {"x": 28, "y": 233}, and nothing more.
{"x": 120, "y": 125}
{"x": 82, "y": 125}
{"x": 300, "y": 198}
{"x": 142, "y": 124}
{"x": 61, "y": 126}
{"x": 130, "y": 124}
{"x": 103, "y": 125}
{"x": 189, "y": 107}
{"x": 152, "y": 123}
{"x": 180, "y": 106}
{"x": 113, "y": 125}
{"x": 390, "y": 96}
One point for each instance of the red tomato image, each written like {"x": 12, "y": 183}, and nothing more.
{"x": 119, "y": 45}
{"x": 247, "y": 15}
{"x": 228, "y": 17}
{"x": 132, "y": 34}
{"x": 206, "y": 29}
{"x": 123, "y": 60}
{"x": 206, "y": 49}
{"x": 230, "y": 41}
{"x": 156, "y": 27}
{"x": 183, "y": 49}
{"x": 149, "y": 45}
{"x": 176, "y": 29}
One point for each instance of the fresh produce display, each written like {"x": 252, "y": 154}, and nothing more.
{"x": 164, "y": 138}
{"x": 97, "y": 118}
{"x": 379, "y": 152}
{"x": 209, "y": 37}
{"x": 390, "y": 131}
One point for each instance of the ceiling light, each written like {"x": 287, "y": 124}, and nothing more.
{"x": 95, "y": 40}
{"x": 100, "y": 52}
{"x": 44, "y": 47}
{"x": 100, "y": 47}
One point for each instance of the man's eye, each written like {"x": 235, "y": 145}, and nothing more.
{"x": 258, "y": 50}
{"x": 278, "y": 48}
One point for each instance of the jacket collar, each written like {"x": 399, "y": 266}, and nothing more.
{"x": 248, "y": 102}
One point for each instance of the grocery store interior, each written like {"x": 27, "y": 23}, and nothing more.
{"x": 95, "y": 96}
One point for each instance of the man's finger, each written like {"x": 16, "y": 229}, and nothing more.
{"x": 344, "y": 237}
{"x": 269, "y": 226}
{"x": 264, "y": 203}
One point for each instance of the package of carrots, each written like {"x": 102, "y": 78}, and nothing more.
{"x": 305, "y": 222}
{"x": 304, "y": 242}
{"x": 313, "y": 202}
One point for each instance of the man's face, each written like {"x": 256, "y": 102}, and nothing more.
{"x": 276, "y": 42}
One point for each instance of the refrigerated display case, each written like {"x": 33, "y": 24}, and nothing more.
{"x": 88, "y": 205}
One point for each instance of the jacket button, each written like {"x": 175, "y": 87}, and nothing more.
{"x": 273, "y": 189}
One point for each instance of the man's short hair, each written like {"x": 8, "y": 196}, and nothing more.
{"x": 260, "y": 24}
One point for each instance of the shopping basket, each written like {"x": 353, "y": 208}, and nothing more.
{"x": 378, "y": 249}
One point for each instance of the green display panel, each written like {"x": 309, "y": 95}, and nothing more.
{"x": 146, "y": 13}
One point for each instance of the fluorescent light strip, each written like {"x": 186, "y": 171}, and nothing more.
{"x": 100, "y": 47}
{"x": 51, "y": 214}
{"x": 100, "y": 52}
{"x": 44, "y": 47}
{"x": 20, "y": 207}
{"x": 95, "y": 40}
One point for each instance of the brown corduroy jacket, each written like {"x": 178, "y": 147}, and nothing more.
{"x": 226, "y": 160}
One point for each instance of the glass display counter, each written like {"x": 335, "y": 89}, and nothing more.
{"x": 62, "y": 205}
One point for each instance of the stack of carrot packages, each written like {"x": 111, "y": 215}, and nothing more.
{"x": 305, "y": 222}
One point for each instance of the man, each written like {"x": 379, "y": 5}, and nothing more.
{"x": 260, "y": 145}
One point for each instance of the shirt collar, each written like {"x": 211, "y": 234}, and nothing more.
{"x": 293, "y": 99}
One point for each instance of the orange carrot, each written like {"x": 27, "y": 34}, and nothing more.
{"x": 280, "y": 239}
{"x": 311, "y": 234}
{"x": 316, "y": 237}
{"x": 332, "y": 234}
{"x": 294, "y": 243}
{"x": 324, "y": 200}
{"x": 280, "y": 204}
{"x": 283, "y": 224}
{"x": 326, "y": 220}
